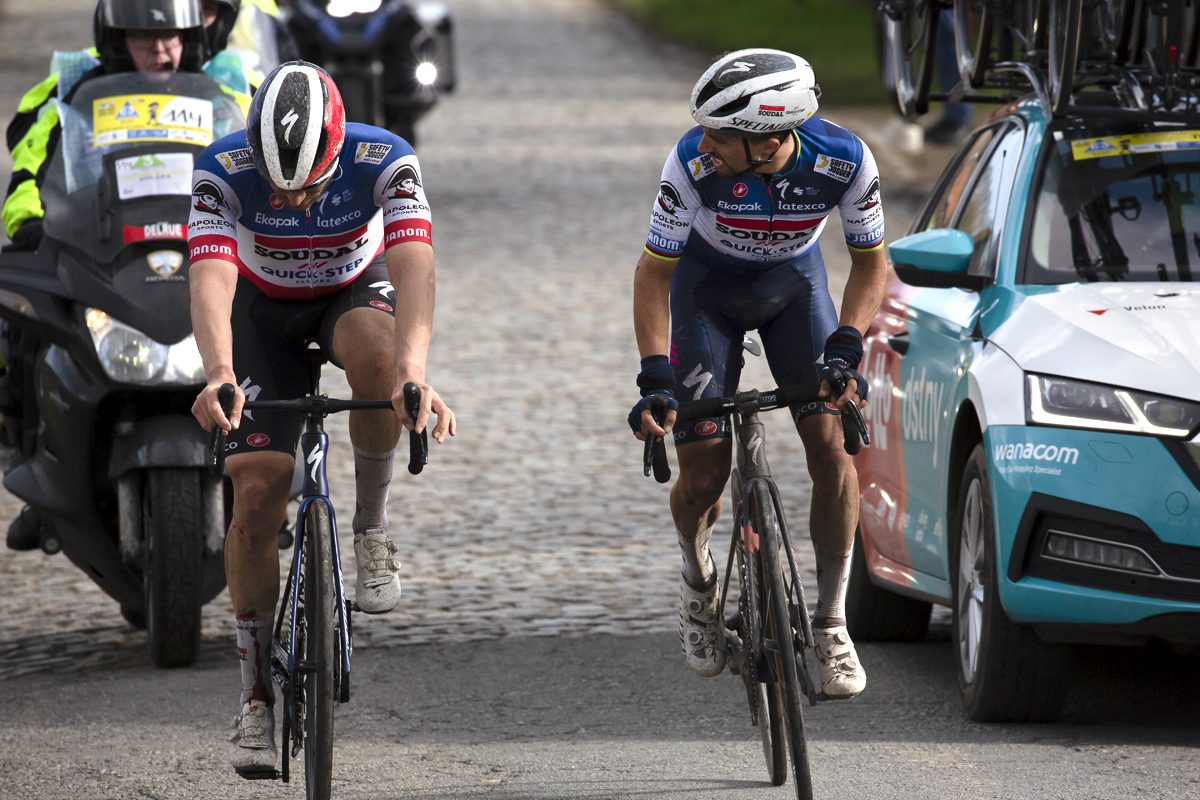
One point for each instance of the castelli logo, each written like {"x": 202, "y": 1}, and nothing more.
{"x": 276, "y": 202}
{"x": 740, "y": 190}
{"x": 830, "y": 406}
{"x": 707, "y": 427}
{"x": 258, "y": 439}
{"x": 381, "y": 304}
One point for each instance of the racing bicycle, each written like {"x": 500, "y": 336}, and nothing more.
{"x": 311, "y": 652}
{"x": 769, "y": 633}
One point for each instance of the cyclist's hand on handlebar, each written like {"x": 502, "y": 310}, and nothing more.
{"x": 641, "y": 420}
{"x": 431, "y": 403}
{"x": 207, "y": 409}
{"x": 833, "y": 375}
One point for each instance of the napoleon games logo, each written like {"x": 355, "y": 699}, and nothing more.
{"x": 669, "y": 200}
{"x": 740, "y": 190}
{"x": 404, "y": 185}
{"x": 208, "y": 198}
{"x": 870, "y": 198}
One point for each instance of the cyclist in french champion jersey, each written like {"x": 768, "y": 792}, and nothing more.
{"x": 306, "y": 228}
{"x": 732, "y": 248}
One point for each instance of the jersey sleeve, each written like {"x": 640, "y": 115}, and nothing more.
{"x": 674, "y": 210}
{"x": 861, "y": 209}
{"x": 399, "y": 191}
{"x": 212, "y": 225}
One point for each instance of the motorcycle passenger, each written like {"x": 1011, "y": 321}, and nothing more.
{"x": 129, "y": 35}
{"x": 306, "y": 228}
{"x": 733, "y": 247}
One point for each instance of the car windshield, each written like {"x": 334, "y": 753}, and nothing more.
{"x": 118, "y": 112}
{"x": 1117, "y": 208}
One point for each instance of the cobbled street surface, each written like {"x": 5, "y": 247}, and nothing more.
{"x": 536, "y": 519}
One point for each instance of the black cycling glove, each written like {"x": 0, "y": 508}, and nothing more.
{"x": 657, "y": 377}
{"x": 843, "y": 354}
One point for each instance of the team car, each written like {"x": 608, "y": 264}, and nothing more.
{"x": 1035, "y": 405}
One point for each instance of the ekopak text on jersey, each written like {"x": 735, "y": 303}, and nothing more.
{"x": 754, "y": 222}
{"x": 374, "y": 201}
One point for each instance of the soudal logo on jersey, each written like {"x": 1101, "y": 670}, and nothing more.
{"x": 296, "y": 248}
{"x": 156, "y": 230}
{"x": 763, "y": 230}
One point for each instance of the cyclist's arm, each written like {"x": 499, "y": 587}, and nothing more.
{"x": 864, "y": 288}
{"x": 213, "y": 283}
{"x": 652, "y": 321}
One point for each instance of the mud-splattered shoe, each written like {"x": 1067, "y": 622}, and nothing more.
{"x": 842, "y": 674}
{"x": 700, "y": 632}
{"x": 252, "y": 738}
{"x": 378, "y": 588}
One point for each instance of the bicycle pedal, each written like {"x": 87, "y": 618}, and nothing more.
{"x": 260, "y": 774}
{"x": 822, "y": 697}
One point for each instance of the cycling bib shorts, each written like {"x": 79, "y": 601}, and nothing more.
{"x": 270, "y": 338}
{"x": 711, "y": 311}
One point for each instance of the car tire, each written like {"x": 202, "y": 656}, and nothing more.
{"x": 877, "y": 615}
{"x": 1005, "y": 672}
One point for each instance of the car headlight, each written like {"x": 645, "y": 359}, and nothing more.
{"x": 130, "y": 356}
{"x": 1078, "y": 404}
{"x": 426, "y": 73}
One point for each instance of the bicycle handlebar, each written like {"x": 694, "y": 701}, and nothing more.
{"x": 319, "y": 404}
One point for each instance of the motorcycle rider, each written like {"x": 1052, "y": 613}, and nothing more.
{"x": 129, "y": 35}
{"x": 733, "y": 247}
{"x": 363, "y": 288}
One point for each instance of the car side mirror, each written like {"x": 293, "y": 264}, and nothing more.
{"x": 937, "y": 259}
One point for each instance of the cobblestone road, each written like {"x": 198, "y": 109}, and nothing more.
{"x": 536, "y": 520}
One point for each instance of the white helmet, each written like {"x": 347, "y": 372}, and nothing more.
{"x": 755, "y": 92}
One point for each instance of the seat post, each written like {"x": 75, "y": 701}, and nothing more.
{"x": 315, "y": 359}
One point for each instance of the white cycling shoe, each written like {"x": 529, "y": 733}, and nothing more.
{"x": 378, "y": 588}
{"x": 701, "y": 634}
{"x": 252, "y": 738}
{"x": 842, "y": 674}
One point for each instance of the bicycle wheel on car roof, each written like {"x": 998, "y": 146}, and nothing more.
{"x": 320, "y": 650}
{"x": 1065, "y": 23}
{"x": 912, "y": 41}
{"x": 779, "y": 646}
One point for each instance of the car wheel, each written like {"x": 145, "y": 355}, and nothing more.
{"x": 877, "y": 615}
{"x": 1005, "y": 672}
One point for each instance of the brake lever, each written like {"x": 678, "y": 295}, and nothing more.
{"x": 216, "y": 441}
{"x": 654, "y": 457}
{"x": 418, "y": 443}
{"x": 854, "y": 427}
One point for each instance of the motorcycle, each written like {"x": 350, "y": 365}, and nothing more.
{"x": 390, "y": 60}
{"x": 101, "y": 367}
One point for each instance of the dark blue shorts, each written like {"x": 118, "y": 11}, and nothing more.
{"x": 711, "y": 311}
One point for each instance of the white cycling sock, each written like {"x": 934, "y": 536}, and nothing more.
{"x": 372, "y": 477}
{"x": 254, "y": 652}
{"x": 697, "y": 569}
{"x": 833, "y": 576}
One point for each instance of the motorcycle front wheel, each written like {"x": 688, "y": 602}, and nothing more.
{"x": 174, "y": 565}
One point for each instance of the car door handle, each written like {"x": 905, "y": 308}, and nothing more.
{"x": 899, "y": 342}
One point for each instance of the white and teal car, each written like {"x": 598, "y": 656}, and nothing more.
{"x": 1035, "y": 377}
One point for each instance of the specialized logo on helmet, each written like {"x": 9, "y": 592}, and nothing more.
{"x": 208, "y": 198}
{"x": 158, "y": 15}
{"x": 403, "y": 185}
{"x": 289, "y": 120}
{"x": 752, "y": 66}
{"x": 668, "y": 198}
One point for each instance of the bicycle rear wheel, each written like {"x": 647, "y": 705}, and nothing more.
{"x": 912, "y": 39}
{"x": 777, "y": 617}
{"x": 320, "y": 651}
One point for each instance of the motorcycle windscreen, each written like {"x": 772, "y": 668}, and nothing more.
{"x": 122, "y": 171}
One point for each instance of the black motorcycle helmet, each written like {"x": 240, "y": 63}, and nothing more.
{"x": 217, "y": 34}
{"x": 114, "y": 17}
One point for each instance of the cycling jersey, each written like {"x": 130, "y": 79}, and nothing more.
{"x": 374, "y": 201}
{"x": 752, "y": 223}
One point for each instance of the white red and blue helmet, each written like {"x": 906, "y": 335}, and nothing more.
{"x": 755, "y": 92}
{"x": 296, "y": 126}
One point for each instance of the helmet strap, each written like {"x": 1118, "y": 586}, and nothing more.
{"x": 756, "y": 163}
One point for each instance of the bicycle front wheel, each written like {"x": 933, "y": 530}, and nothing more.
{"x": 777, "y": 619}
{"x": 320, "y": 650}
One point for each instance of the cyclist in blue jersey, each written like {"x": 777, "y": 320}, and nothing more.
{"x": 306, "y": 228}
{"x": 733, "y": 248}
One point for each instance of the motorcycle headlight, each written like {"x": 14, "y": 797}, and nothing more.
{"x": 1078, "y": 404}
{"x": 130, "y": 356}
{"x": 426, "y": 73}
